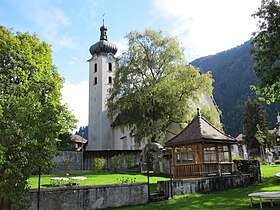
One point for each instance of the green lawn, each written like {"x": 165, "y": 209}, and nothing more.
{"x": 98, "y": 178}
{"x": 235, "y": 199}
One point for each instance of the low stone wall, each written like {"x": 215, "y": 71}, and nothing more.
{"x": 75, "y": 158}
{"x": 90, "y": 197}
{"x": 202, "y": 185}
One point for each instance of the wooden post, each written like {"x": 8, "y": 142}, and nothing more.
{"x": 39, "y": 185}
{"x": 170, "y": 165}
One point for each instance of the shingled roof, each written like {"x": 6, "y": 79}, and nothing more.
{"x": 200, "y": 130}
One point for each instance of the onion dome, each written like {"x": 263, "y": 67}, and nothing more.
{"x": 103, "y": 46}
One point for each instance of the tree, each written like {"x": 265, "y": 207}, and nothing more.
{"x": 83, "y": 132}
{"x": 65, "y": 142}
{"x": 266, "y": 52}
{"x": 31, "y": 115}
{"x": 255, "y": 127}
{"x": 154, "y": 87}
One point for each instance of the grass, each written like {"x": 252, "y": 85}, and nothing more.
{"x": 234, "y": 199}
{"x": 98, "y": 178}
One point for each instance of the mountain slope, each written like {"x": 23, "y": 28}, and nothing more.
{"x": 233, "y": 73}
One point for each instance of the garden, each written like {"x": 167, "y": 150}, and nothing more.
{"x": 234, "y": 199}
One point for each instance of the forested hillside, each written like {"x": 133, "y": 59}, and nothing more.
{"x": 233, "y": 74}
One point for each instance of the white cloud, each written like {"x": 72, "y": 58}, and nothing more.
{"x": 76, "y": 97}
{"x": 122, "y": 45}
{"x": 50, "y": 18}
{"x": 73, "y": 61}
{"x": 206, "y": 27}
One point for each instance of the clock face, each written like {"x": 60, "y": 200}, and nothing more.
{"x": 95, "y": 57}
{"x": 110, "y": 58}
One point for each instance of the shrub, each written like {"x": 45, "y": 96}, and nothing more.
{"x": 67, "y": 165}
{"x": 115, "y": 161}
{"x": 126, "y": 180}
{"x": 237, "y": 157}
{"x": 130, "y": 161}
{"x": 98, "y": 164}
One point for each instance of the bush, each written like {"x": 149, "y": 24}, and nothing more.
{"x": 67, "y": 165}
{"x": 130, "y": 161}
{"x": 237, "y": 157}
{"x": 115, "y": 161}
{"x": 126, "y": 180}
{"x": 98, "y": 164}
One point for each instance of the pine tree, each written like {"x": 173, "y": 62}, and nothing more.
{"x": 255, "y": 127}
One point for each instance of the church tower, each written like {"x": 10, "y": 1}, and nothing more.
{"x": 101, "y": 68}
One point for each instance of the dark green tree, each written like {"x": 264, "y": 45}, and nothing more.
{"x": 83, "y": 132}
{"x": 255, "y": 127}
{"x": 266, "y": 52}
{"x": 65, "y": 142}
{"x": 154, "y": 87}
{"x": 31, "y": 114}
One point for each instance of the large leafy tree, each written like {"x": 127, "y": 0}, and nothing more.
{"x": 266, "y": 52}
{"x": 154, "y": 87}
{"x": 31, "y": 115}
{"x": 255, "y": 127}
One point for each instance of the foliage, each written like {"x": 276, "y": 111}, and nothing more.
{"x": 266, "y": 53}
{"x": 153, "y": 86}
{"x": 115, "y": 161}
{"x": 65, "y": 143}
{"x": 31, "y": 115}
{"x": 98, "y": 164}
{"x": 236, "y": 157}
{"x": 211, "y": 114}
{"x": 83, "y": 132}
{"x": 255, "y": 127}
{"x": 67, "y": 165}
{"x": 126, "y": 180}
{"x": 130, "y": 161}
{"x": 233, "y": 74}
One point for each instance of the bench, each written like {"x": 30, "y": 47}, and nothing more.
{"x": 59, "y": 181}
{"x": 77, "y": 179}
{"x": 264, "y": 195}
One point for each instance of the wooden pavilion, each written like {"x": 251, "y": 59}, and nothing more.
{"x": 201, "y": 150}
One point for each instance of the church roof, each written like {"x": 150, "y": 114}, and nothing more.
{"x": 200, "y": 131}
{"x": 78, "y": 139}
{"x": 103, "y": 45}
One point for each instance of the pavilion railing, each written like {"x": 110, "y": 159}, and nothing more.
{"x": 203, "y": 169}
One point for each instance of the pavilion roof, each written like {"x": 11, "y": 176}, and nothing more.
{"x": 200, "y": 131}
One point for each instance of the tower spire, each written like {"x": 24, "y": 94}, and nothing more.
{"x": 103, "y": 31}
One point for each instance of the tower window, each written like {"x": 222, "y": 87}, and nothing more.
{"x": 95, "y": 67}
{"x": 95, "y": 81}
{"x": 110, "y": 66}
{"x": 110, "y": 80}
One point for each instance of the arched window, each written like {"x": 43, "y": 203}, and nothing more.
{"x": 95, "y": 81}
{"x": 95, "y": 67}
{"x": 110, "y": 80}
{"x": 110, "y": 66}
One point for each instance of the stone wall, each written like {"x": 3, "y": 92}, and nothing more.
{"x": 202, "y": 185}
{"x": 246, "y": 172}
{"x": 90, "y": 197}
{"x": 75, "y": 158}
{"x": 82, "y": 160}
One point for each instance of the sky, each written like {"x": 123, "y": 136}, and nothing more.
{"x": 203, "y": 27}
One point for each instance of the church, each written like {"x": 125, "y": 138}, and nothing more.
{"x": 101, "y": 135}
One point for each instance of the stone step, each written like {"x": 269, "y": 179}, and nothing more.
{"x": 156, "y": 197}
